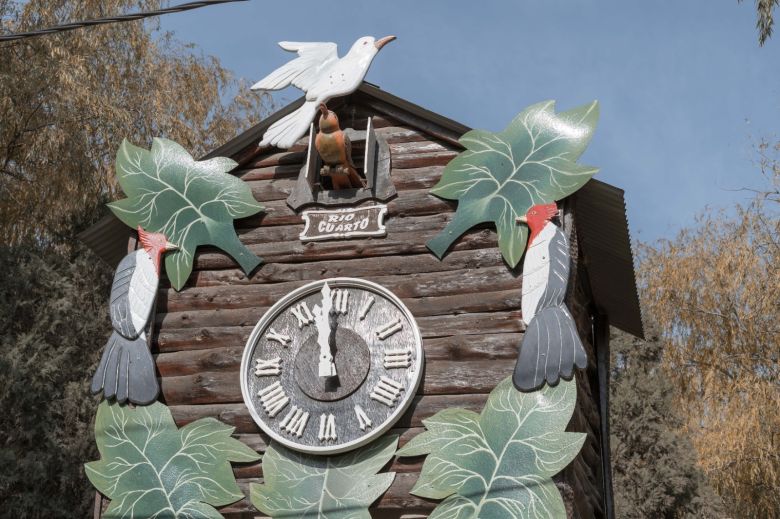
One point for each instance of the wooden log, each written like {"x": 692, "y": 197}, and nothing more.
{"x": 285, "y": 171}
{"x": 397, "y": 498}
{"x": 397, "y": 465}
{"x": 279, "y": 158}
{"x": 466, "y": 303}
{"x": 237, "y": 415}
{"x": 501, "y": 346}
{"x": 273, "y": 186}
{"x": 290, "y": 233}
{"x": 441, "y": 378}
{"x": 239, "y": 311}
{"x": 189, "y": 328}
{"x": 418, "y": 147}
{"x": 431, "y": 284}
{"x": 408, "y": 203}
{"x": 360, "y": 267}
{"x": 259, "y": 442}
{"x": 417, "y": 160}
{"x": 296, "y": 252}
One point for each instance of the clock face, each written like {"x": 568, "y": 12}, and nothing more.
{"x": 332, "y": 365}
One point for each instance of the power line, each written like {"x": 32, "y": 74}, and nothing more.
{"x": 113, "y": 19}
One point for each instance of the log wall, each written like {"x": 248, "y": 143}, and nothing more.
{"x": 467, "y": 307}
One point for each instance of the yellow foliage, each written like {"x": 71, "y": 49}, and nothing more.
{"x": 68, "y": 99}
{"x": 715, "y": 292}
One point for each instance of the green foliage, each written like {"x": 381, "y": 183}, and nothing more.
{"x": 192, "y": 202}
{"x": 500, "y": 463}
{"x": 53, "y": 323}
{"x": 501, "y": 175}
{"x": 149, "y": 468}
{"x": 335, "y": 487}
{"x": 654, "y": 465}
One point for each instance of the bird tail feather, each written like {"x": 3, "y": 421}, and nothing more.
{"x": 550, "y": 349}
{"x": 286, "y": 131}
{"x": 126, "y": 371}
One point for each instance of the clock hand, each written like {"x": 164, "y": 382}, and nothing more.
{"x": 325, "y": 330}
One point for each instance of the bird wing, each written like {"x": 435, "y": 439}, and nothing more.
{"x": 558, "y": 273}
{"x": 132, "y": 294}
{"x": 343, "y": 77}
{"x": 314, "y": 58}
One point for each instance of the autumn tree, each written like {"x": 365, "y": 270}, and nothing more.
{"x": 68, "y": 99}
{"x": 714, "y": 289}
{"x": 66, "y": 102}
{"x": 765, "y": 20}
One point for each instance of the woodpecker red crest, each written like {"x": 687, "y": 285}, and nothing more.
{"x": 537, "y": 216}
{"x": 155, "y": 244}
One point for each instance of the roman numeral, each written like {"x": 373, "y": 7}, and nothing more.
{"x": 266, "y": 368}
{"x": 363, "y": 420}
{"x": 273, "y": 398}
{"x": 366, "y": 307}
{"x": 398, "y": 358}
{"x": 294, "y": 422}
{"x": 302, "y": 313}
{"x": 387, "y": 391}
{"x": 389, "y": 329}
{"x": 340, "y": 301}
{"x": 327, "y": 428}
{"x": 281, "y": 338}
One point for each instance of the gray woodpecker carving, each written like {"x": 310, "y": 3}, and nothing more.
{"x": 126, "y": 371}
{"x": 551, "y": 346}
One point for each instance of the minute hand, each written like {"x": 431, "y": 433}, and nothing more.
{"x": 327, "y": 368}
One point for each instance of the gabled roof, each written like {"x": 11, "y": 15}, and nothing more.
{"x": 602, "y": 225}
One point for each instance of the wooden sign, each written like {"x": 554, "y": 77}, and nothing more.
{"x": 335, "y": 224}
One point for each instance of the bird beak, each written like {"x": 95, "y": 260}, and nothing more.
{"x": 521, "y": 219}
{"x": 171, "y": 246}
{"x": 382, "y": 42}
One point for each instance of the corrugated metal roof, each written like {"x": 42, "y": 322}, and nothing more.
{"x": 602, "y": 225}
{"x": 605, "y": 242}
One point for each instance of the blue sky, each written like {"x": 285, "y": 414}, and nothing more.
{"x": 685, "y": 90}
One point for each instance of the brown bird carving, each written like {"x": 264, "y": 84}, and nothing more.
{"x": 336, "y": 151}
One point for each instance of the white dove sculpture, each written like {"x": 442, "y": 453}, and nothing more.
{"x": 320, "y": 73}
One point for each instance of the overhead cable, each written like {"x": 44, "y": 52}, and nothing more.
{"x": 113, "y": 19}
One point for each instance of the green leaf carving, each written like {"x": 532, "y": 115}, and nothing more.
{"x": 501, "y": 175}
{"x": 499, "y": 464}
{"x": 149, "y": 468}
{"x": 192, "y": 202}
{"x": 338, "y": 487}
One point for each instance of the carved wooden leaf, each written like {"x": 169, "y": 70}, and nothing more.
{"x": 501, "y": 175}
{"x": 336, "y": 487}
{"x": 192, "y": 202}
{"x": 149, "y": 468}
{"x": 499, "y": 463}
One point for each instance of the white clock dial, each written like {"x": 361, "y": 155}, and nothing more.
{"x": 332, "y": 365}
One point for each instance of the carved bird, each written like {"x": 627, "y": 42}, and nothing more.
{"x": 322, "y": 75}
{"x": 126, "y": 370}
{"x": 551, "y": 346}
{"x": 335, "y": 149}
